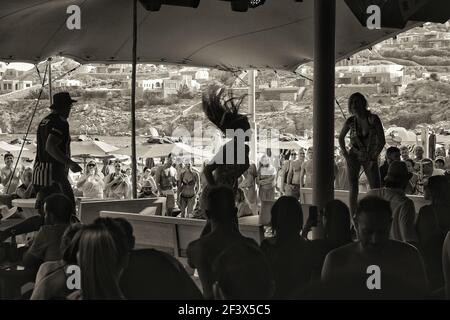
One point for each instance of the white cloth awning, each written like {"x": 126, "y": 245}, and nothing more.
{"x": 277, "y": 35}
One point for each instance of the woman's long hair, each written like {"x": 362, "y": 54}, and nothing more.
{"x": 287, "y": 218}
{"x": 337, "y": 226}
{"x": 439, "y": 188}
{"x": 103, "y": 254}
{"x": 223, "y": 111}
{"x": 360, "y": 103}
{"x": 69, "y": 243}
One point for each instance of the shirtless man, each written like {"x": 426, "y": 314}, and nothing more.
{"x": 6, "y": 173}
{"x": 307, "y": 170}
{"x": 292, "y": 187}
{"x": 399, "y": 263}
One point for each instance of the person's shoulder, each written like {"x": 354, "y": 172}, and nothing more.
{"x": 249, "y": 241}
{"x": 373, "y": 117}
{"x": 268, "y": 243}
{"x": 196, "y": 245}
{"x": 426, "y": 210}
{"x": 53, "y": 118}
{"x": 344, "y": 251}
{"x": 349, "y": 121}
{"x": 400, "y": 248}
{"x": 53, "y": 228}
{"x": 49, "y": 267}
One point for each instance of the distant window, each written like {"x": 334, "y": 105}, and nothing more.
{"x": 17, "y": 86}
{"x": 28, "y": 85}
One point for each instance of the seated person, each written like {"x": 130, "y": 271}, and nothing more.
{"x": 242, "y": 273}
{"x": 26, "y": 190}
{"x": 288, "y": 253}
{"x": 103, "y": 254}
{"x": 394, "y": 259}
{"x": 336, "y": 233}
{"x": 51, "y": 279}
{"x": 58, "y": 211}
{"x": 403, "y": 210}
{"x": 446, "y": 264}
{"x": 152, "y": 274}
{"x": 432, "y": 226}
{"x": 242, "y": 204}
{"x": 222, "y": 215}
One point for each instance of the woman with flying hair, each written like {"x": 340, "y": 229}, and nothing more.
{"x": 232, "y": 160}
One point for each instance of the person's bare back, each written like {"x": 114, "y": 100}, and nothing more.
{"x": 395, "y": 260}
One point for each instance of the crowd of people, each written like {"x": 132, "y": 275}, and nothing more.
{"x": 287, "y": 265}
{"x": 340, "y": 251}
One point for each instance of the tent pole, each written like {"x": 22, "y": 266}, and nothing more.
{"x": 50, "y": 89}
{"x": 252, "y": 111}
{"x": 133, "y": 104}
{"x": 323, "y": 117}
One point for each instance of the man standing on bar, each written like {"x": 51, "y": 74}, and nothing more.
{"x": 53, "y": 162}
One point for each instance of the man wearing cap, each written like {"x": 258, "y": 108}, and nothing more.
{"x": 403, "y": 210}
{"x": 53, "y": 161}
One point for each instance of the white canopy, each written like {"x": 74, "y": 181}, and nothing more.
{"x": 91, "y": 148}
{"x": 277, "y": 35}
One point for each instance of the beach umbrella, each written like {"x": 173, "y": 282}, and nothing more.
{"x": 91, "y": 148}
{"x": 7, "y": 147}
{"x": 400, "y": 134}
{"x": 157, "y": 150}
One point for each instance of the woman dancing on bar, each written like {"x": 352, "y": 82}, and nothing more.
{"x": 366, "y": 143}
{"x": 232, "y": 160}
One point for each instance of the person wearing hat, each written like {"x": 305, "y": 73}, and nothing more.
{"x": 403, "y": 210}
{"x": 149, "y": 189}
{"x": 52, "y": 163}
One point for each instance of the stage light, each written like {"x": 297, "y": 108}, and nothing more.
{"x": 243, "y": 5}
{"x": 256, "y": 3}
{"x": 155, "y": 5}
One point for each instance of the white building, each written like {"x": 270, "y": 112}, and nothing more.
{"x": 67, "y": 83}
{"x": 150, "y": 84}
{"x": 202, "y": 74}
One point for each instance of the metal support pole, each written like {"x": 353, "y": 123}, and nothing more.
{"x": 252, "y": 111}
{"x": 50, "y": 89}
{"x": 323, "y": 117}
{"x": 133, "y": 103}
